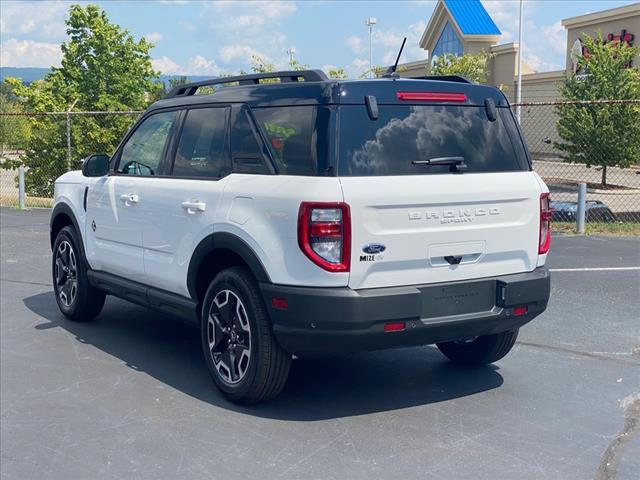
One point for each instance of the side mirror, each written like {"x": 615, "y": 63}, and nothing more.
{"x": 96, "y": 165}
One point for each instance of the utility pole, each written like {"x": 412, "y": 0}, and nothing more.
{"x": 69, "y": 134}
{"x": 370, "y": 22}
{"x": 290, "y": 52}
{"x": 519, "y": 87}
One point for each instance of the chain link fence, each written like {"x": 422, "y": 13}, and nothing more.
{"x": 57, "y": 141}
{"x": 598, "y": 137}
{"x": 48, "y": 144}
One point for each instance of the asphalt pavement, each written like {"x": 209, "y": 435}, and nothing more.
{"x": 129, "y": 396}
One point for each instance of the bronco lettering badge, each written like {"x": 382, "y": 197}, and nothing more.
{"x": 458, "y": 215}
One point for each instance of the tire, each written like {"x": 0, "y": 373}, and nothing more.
{"x": 481, "y": 350}
{"x": 241, "y": 352}
{"x": 76, "y": 298}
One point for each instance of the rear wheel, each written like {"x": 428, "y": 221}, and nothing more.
{"x": 241, "y": 352}
{"x": 76, "y": 298}
{"x": 479, "y": 350}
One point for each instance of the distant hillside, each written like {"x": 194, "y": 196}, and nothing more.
{"x": 31, "y": 74}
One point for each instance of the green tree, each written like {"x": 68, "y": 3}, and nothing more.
{"x": 601, "y": 134}
{"x": 473, "y": 67}
{"x": 338, "y": 73}
{"x": 261, "y": 65}
{"x": 14, "y": 130}
{"x": 103, "y": 68}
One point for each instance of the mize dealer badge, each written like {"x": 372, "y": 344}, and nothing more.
{"x": 372, "y": 249}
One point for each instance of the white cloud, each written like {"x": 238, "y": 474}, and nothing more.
{"x": 199, "y": 65}
{"x": 386, "y": 45}
{"x": 556, "y": 37}
{"x": 269, "y": 9}
{"x": 235, "y": 52}
{"x": 153, "y": 37}
{"x": 40, "y": 20}
{"x": 248, "y": 28}
{"x": 356, "y": 44}
{"x": 245, "y": 21}
{"x": 543, "y": 45}
{"x": 167, "y": 66}
{"x": 27, "y": 53}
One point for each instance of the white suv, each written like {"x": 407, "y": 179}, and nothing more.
{"x": 290, "y": 214}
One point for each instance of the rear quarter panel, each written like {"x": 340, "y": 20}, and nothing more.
{"x": 262, "y": 210}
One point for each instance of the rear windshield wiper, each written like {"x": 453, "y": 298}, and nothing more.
{"x": 457, "y": 163}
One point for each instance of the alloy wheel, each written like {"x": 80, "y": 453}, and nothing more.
{"x": 66, "y": 271}
{"x": 229, "y": 336}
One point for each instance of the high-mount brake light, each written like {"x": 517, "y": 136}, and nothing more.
{"x": 544, "y": 238}
{"x": 431, "y": 96}
{"x": 324, "y": 234}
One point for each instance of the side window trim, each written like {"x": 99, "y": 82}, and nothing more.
{"x": 171, "y": 160}
{"x": 163, "y": 161}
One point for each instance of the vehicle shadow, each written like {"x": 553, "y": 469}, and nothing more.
{"x": 169, "y": 350}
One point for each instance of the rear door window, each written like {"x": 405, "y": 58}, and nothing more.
{"x": 403, "y": 134}
{"x": 202, "y": 148}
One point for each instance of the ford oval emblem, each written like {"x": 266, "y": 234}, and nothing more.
{"x": 373, "y": 248}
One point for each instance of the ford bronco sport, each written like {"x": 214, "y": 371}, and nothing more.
{"x": 289, "y": 214}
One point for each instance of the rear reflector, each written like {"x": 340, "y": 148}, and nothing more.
{"x": 431, "y": 96}
{"x": 518, "y": 311}
{"x": 280, "y": 303}
{"x": 394, "y": 327}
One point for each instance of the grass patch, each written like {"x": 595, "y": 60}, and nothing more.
{"x": 621, "y": 229}
{"x": 30, "y": 202}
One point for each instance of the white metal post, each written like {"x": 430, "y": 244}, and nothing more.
{"x": 582, "y": 207}
{"x": 371, "y": 21}
{"x": 21, "y": 188}
{"x": 519, "y": 87}
{"x": 290, "y": 52}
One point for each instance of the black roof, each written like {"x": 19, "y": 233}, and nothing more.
{"x": 314, "y": 88}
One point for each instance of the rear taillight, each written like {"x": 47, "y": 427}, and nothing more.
{"x": 324, "y": 234}
{"x": 545, "y": 224}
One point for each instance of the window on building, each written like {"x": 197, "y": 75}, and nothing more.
{"x": 448, "y": 43}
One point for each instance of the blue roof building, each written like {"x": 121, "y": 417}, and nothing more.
{"x": 471, "y": 17}
{"x": 459, "y": 26}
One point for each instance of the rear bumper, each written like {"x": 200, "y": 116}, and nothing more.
{"x": 340, "y": 320}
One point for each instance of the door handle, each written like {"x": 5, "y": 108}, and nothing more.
{"x": 129, "y": 198}
{"x": 194, "y": 206}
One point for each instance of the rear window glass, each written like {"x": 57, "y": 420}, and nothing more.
{"x": 297, "y": 137}
{"x": 404, "y": 134}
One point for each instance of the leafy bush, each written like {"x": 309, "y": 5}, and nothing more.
{"x": 603, "y": 135}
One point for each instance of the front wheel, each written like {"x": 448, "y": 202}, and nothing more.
{"x": 479, "y": 350}
{"x": 241, "y": 352}
{"x": 76, "y": 298}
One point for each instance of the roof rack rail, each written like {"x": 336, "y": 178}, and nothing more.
{"x": 446, "y": 78}
{"x": 252, "y": 79}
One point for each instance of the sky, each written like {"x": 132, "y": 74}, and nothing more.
{"x": 214, "y": 37}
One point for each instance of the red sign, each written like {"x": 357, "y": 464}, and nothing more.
{"x": 623, "y": 37}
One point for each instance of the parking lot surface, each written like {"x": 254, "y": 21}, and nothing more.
{"x": 129, "y": 396}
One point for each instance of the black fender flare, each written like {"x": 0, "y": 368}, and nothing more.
{"x": 65, "y": 209}
{"x": 224, "y": 241}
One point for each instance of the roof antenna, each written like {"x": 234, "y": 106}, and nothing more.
{"x": 391, "y": 71}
